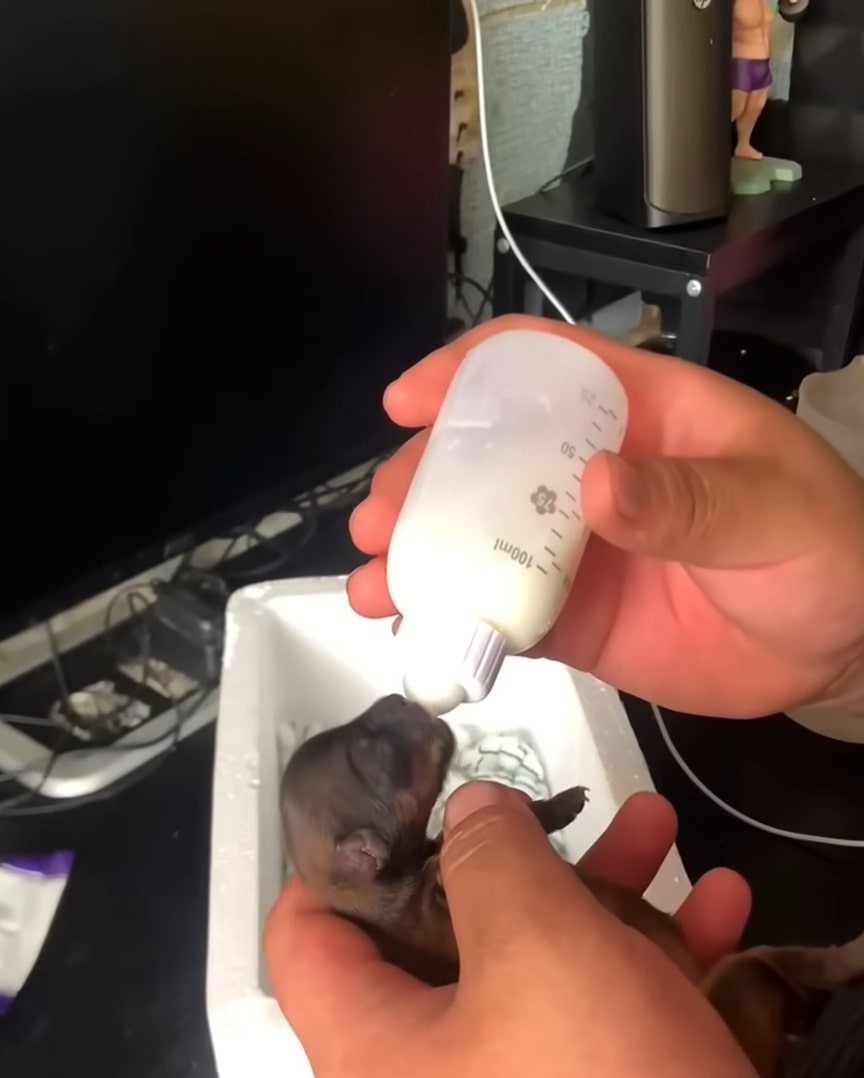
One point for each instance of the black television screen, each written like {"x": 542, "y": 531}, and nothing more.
{"x": 223, "y": 231}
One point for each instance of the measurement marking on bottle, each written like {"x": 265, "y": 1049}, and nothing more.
{"x": 596, "y": 426}
{"x": 515, "y": 553}
{"x": 542, "y": 570}
{"x": 615, "y": 417}
{"x": 572, "y": 497}
{"x": 584, "y": 461}
{"x": 605, "y": 411}
{"x": 556, "y": 566}
{"x": 557, "y": 534}
{"x": 549, "y": 551}
{"x": 574, "y": 475}
{"x": 564, "y": 514}
{"x": 590, "y": 444}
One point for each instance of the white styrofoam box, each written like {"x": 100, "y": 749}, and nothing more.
{"x": 298, "y": 658}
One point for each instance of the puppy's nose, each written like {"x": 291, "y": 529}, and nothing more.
{"x": 387, "y": 711}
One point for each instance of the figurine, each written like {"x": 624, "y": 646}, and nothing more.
{"x": 751, "y": 69}
{"x": 751, "y": 82}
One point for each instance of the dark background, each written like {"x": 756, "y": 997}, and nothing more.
{"x": 212, "y": 261}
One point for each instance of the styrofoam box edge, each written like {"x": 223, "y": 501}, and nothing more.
{"x": 249, "y": 1034}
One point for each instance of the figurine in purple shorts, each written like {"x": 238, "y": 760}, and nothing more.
{"x": 751, "y": 64}
{"x": 751, "y": 69}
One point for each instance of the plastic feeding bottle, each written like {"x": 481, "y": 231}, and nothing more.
{"x": 491, "y": 533}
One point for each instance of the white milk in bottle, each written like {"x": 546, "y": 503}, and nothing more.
{"x": 491, "y": 533}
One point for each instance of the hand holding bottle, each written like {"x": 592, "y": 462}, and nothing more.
{"x": 550, "y": 982}
{"x": 723, "y": 534}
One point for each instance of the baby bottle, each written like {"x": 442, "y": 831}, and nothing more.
{"x": 492, "y": 532}
{"x": 832, "y": 404}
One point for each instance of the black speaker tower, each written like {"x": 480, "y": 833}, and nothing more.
{"x": 662, "y": 109}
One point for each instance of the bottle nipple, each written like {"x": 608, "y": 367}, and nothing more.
{"x": 446, "y": 663}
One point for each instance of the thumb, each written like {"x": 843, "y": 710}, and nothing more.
{"x": 711, "y": 512}
{"x": 507, "y": 889}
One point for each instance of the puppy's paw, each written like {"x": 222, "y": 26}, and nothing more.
{"x": 574, "y": 800}
{"x": 561, "y": 810}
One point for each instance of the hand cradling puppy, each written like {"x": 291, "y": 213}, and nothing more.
{"x": 356, "y": 802}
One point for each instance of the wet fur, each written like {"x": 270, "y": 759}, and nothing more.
{"x": 356, "y": 802}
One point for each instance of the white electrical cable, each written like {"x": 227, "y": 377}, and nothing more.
{"x": 490, "y": 178}
{"x": 796, "y": 836}
{"x": 824, "y": 840}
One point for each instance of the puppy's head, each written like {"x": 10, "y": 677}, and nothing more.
{"x": 356, "y": 800}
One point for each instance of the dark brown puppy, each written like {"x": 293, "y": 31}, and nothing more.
{"x": 356, "y": 802}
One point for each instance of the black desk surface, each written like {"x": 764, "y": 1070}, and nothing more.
{"x": 119, "y": 987}
{"x": 827, "y": 195}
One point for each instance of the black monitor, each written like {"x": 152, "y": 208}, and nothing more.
{"x": 223, "y": 231}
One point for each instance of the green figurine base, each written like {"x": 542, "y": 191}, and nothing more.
{"x": 758, "y": 177}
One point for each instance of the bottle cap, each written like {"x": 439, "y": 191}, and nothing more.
{"x": 447, "y": 662}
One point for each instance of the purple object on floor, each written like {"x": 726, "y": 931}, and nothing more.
{"x": 58, "y": 863}
{"x": 750, "y": 76}
{"x": 30, "y": 891}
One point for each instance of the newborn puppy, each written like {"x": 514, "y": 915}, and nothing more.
{"x": 356, "y": 802}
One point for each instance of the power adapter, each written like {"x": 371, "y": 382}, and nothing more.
{"x": 193, "y": 606}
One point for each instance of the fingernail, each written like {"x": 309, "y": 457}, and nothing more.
{"x": 472, "y": 797}
{"x": 630, "y": 490}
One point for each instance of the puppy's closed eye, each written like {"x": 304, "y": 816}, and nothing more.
{"x": 382, "y": 764}
{"x": 371, "y": 748}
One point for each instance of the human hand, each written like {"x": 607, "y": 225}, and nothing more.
{"x": 725, "y": 572}
{"x": 550, "y": 982}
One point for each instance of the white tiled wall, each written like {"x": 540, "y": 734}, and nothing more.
{"x": 533, "y": 59}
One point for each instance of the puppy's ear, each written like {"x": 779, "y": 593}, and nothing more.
{"x": 359, "y": 857}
